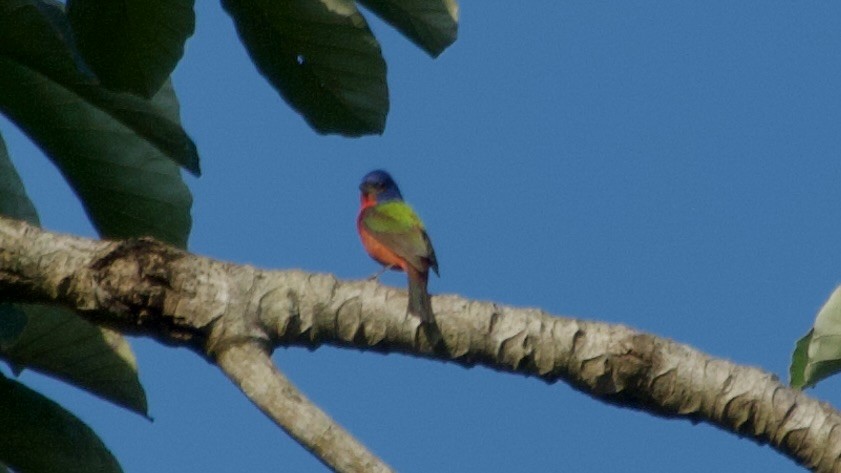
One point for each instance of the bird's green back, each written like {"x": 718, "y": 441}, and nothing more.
{"x": 392, "y": 217}
{"x": 397, "y": 226}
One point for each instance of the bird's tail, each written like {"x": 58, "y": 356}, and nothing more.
{"x": 420, "y": 304}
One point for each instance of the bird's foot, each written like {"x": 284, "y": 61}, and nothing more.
{"x": 376, "y": 276}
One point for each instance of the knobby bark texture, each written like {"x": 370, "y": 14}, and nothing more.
{"x": 235, "y": 314}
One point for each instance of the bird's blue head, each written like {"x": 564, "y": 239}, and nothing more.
{"x": 378, "y": 186}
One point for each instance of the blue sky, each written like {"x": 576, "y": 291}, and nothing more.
{"x": 671, "y": 166}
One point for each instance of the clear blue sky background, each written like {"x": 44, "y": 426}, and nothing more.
{"x": 672, "y": 166}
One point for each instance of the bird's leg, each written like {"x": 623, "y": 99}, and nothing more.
{"x": 376, "y": 276}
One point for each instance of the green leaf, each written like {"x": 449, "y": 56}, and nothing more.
{"x": 36, "y": 33}
{"x": 322, "y": 58}
{"x": 39, "y": 435}
{"x": 799, "y": 359}
{"x": 59, "y": 343}
{"x": 35, "y": 40}
{"x": 14, "y": 202}
{"x": 12, "y": 323}
{"x": 132, "y": 45}
{"x": 127, "y": 186}
{"x": 818, "y": 354}
{"x": 430, "y": 24}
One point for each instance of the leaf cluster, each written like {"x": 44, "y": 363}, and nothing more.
{"x": 89, "y": 83}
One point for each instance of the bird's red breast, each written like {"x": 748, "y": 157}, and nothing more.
{"x": 367, "y": 199}
{"x": 380, "y": 252}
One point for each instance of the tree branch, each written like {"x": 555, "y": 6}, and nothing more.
{"x": 250, "y": 367}
{"x": 143, "y": 287}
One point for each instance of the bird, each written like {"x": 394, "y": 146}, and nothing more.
{"x": 394, "y": 236}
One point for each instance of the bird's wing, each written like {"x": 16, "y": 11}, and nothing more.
{"x": 433, "y": 261}
{"x": 395, "y": 225}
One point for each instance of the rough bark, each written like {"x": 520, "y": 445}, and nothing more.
{"x": 233, "y": 314}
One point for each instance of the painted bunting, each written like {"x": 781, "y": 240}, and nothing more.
{"x": 394, "y": 236}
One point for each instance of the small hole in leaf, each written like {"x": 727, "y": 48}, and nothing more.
{"x": 299, "y": 59}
